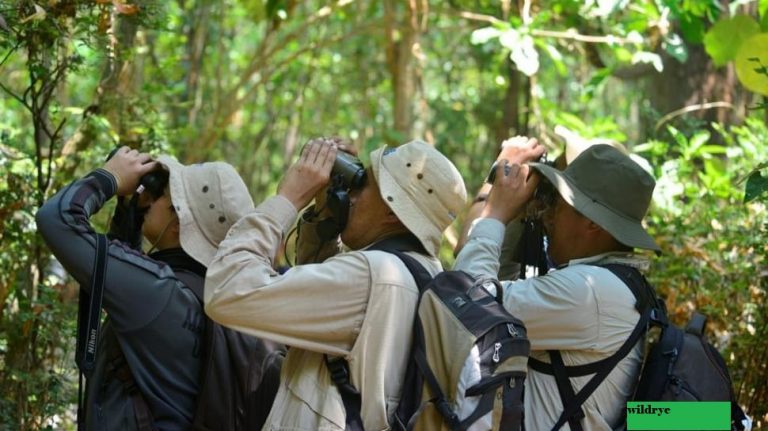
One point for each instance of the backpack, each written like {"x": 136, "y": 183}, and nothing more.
{"x": 455, "y": 315}
{"x": 239, "y": 375}
{"x": 681, "y": 366}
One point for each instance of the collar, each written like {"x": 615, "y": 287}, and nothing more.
{"x": 634, "y": 260}
{"x": 177, "y": 258}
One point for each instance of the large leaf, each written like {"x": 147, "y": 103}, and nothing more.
{"x": 724, "y": 39}
{"x": 757, "y": 187}
{"x": 752, "y": 64}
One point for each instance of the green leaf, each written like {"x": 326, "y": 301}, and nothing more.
{"x": 764, "y": 21}
{"x": 692, "y": 29}
{"x": 757, "y": 187}
{"x": 724, "y": 39}
{"x": 557, "y": 58}
{"x": 675, "y": 47}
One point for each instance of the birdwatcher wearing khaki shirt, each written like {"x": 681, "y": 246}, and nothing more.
{"x": 580, "y": 309}
{"x": 358, "y": 305}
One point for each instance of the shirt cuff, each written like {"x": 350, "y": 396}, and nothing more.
{"x": 106, "y": 181}
{"x": 281, "y": 210}
{"x": 487, "y": 228}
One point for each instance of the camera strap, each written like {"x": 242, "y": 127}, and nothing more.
{"x": 89, "y": 319}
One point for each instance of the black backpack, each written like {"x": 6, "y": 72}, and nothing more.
{"x": 455, "y": 313}
{"x": 240, "y": 374}
{"x": 681, "y": 366}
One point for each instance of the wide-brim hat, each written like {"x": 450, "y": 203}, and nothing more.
{"x": 422, "y": 187}
{"x": 208, "y": 198}
{"x": 609, "y": 188}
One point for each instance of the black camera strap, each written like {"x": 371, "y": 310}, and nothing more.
{"x": 88, "y": 322}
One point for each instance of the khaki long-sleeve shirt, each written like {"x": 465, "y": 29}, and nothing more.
{"x": 359, "y": 305}
{"x": 582, "y": 309}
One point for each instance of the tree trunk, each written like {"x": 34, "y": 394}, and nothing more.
{"x": 697, "y": 82}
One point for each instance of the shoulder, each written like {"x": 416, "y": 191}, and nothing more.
{"x": 387, "y": 268}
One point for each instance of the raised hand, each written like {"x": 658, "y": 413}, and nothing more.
{"x": 511, "y": 191}
{"x": 521, "y": 149}
{"x": 128, "y": 166}
{"x": 310, "y": 174}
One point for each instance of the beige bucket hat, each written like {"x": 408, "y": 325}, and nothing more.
{"x": 209, "y": 198}
{"x": 575, "y": 144}
{"x": 423, "y": 188}
{"x": 610, "y": 189}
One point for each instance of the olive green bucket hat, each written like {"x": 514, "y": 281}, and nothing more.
{"x": 609, "y": 188}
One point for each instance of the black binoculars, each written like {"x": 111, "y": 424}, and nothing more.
{"x": 348, "y": 171}
{"x": 128, "y": 217}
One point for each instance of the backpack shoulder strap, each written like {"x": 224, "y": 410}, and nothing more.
{"x": 648, "y": 306}
{"x": 194, "y": 281}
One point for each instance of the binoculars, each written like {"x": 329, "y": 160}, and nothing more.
{"x": 126, "y": 222}
{"x": 348, "y": 171}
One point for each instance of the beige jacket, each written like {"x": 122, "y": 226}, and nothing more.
{"x": 359, "y": 305}
{"x": 583, "y": 310}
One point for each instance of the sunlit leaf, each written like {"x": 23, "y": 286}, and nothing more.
{"x": 39, "y": 14}
{"x": 525, "y": 56}
{"x": 483, "y": 35}
{"x": 752, "y": 64}
{"x": 675, "y": 47}
{"x": 724, "y": 39}
{"x": 648, "y": 57}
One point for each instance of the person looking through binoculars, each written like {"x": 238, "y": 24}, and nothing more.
{"x": 358, "y": 305}
{"x": 144, "y": 370}
{"x": 581, "y": 312}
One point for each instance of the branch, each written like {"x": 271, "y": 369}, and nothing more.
{"x": 15, "y": 96}
{"x": 691, "y": 108}
{"x": 568, "y": 34}
{"x": 11, "y": 51}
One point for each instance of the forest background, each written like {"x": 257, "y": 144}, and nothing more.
{"x": 681, "y": 83}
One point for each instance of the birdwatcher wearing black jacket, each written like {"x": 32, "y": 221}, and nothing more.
{"x": 154, "y": 322}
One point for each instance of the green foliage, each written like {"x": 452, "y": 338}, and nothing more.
{"x": 724, "y": 39}
{"x": 715, "y": 248}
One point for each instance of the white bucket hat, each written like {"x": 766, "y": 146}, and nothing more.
{"x": 422, "y": 187}
{"x": 208, "y": 198}
{"x": 607, "y": 187}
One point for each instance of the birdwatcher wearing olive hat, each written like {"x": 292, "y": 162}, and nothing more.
{"x": 582, "y": 311}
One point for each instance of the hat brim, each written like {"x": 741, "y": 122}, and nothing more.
{"x": 192, "y": 239}
{"x": 627, "y": 231}
{"x": 407, "y": 212}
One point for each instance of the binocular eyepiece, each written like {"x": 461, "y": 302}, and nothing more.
{"x": 348, "y": 171}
